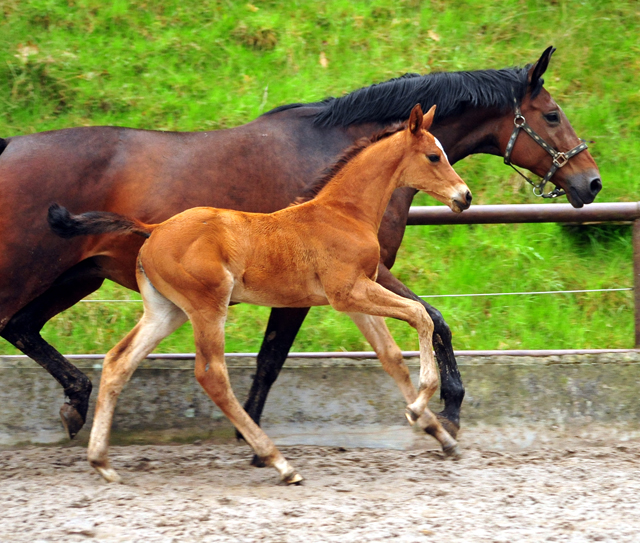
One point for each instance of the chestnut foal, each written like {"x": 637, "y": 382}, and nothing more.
{"x": 323, "y": 251}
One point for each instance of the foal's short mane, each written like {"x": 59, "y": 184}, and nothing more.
{"x": 392, "y": 101}
{"x": 347, "y": 156}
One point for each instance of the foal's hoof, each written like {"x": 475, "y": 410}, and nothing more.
{"x": 71, "y": 420}
{"x": 411, "y": 416}
{"x": 451, "y": 427}
{"x": 257, "y": 462}
{"x": 293, "y": 479}
{"x": 108, "y": 474}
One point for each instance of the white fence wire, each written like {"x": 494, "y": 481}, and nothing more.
{"x": 470, "y": 295}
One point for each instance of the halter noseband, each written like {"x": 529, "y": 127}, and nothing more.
{"x": 559, "y": 159}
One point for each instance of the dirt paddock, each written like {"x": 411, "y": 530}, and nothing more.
{"x": 208, "y": 492}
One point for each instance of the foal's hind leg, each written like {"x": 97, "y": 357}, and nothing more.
{"x": 211, "y": 373}
{"x": 369, "y": 297}
{"x": 160, "y": 318}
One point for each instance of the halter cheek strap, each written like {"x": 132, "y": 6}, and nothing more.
{"x": 559, "y": 158}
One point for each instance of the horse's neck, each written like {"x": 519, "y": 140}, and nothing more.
{"x": 363, "y": 187}
{"x": 474, "y": 131}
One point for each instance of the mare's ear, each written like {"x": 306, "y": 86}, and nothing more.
{"x": 415, "y": 120}
{"x": 428, "y": 118}
{"x": 537, "y": 70}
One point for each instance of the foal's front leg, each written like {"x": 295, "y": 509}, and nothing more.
{"x": 368, "y": 297}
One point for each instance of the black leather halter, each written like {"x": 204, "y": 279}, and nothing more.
{"x": 559, "y": 158}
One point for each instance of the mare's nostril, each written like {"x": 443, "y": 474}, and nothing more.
{"x": 595, "y": 186}
{"x": 468, "y": 197}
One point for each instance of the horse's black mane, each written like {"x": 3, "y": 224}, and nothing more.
{"x": 347, "y": 156}
{"x": 392, "y": 101}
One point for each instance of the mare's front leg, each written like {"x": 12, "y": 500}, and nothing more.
{"x": 368, "y": 297}
{"x": 451, "y": 387}
{"x": 161, "y": 317}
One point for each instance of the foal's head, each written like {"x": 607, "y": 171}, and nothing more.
{"x": 427, "y": 167}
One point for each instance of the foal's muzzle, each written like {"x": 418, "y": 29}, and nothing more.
{"x": 462, "y": 201}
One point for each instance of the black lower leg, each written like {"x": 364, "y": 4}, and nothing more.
{"x": 76, "y": 385}
{"x": 282, "y": 329}
{"x": 23, "y": 331}
{"x": 451, "y": 387}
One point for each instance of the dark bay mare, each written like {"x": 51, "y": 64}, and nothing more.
{"x": 262, "y": 166}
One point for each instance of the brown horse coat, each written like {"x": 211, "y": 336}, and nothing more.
{"x": 324, "y": 251}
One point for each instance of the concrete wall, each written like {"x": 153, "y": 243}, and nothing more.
{"x": 510, "y": 402}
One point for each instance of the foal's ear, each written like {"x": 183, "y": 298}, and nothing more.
{"x": 537, "y": 70}
{"x": 415, "y": 120}
{"x": 428, "y": 118}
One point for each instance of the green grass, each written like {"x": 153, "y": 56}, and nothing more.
{"x": 214, "y": 64}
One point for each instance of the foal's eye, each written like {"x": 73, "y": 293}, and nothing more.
{"x": 553, "y": 117}
{"x": 434, "y": 158}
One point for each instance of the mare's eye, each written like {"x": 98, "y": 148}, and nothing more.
{"x": 434, "y": 158}
{"x": 553, "y": 117}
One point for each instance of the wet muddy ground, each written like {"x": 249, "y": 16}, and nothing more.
{"x": 208, "y": 492}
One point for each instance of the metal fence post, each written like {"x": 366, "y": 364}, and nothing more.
{"x": 636, "y": 278}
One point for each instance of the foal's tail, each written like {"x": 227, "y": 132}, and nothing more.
{"x": 67, "y": 225}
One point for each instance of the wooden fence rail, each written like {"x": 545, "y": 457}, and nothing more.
{"x": 537, "y": 213}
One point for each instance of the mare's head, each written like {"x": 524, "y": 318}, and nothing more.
{"x": 572, "y": 169}
{"x": 427, "y": 167}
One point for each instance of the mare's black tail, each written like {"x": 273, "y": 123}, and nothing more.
{"x": 3, "y": 145}
{"x": 67, "y": 225}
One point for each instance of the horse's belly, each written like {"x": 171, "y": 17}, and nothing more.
{"x": 279, "y": 292}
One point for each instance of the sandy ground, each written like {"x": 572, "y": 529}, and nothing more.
{"x": 208, "y": 492}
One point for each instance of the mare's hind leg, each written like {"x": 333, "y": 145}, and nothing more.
{"x": 161, "y": 317}
{"x": 23, "y": 331}
{"x": 211, "y": 373}
{"x": 369, "y": 297}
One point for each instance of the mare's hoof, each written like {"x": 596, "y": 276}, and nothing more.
{"x": 293, "y": 479}
{"x": 452, "y": 452}
{"x": 451, "y": 427}
{"x": 411, "y": 416}
{"x": 257, "y": 462}
{"x": 71, "y": 420}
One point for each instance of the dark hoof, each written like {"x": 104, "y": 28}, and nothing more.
{"x": 71, "y": 420}
{"x": 448, "y": 425}
{"x": 452, "y": 452}
{"x": 257, "y": 462}
{"x": 293, "y": 479}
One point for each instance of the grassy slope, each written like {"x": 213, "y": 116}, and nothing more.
{"x": 201, "y": 65}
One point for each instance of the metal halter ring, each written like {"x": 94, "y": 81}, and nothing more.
{"x": 559, "y": 159}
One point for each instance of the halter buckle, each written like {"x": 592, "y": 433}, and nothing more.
{"x": 519, "y": 120}
{"x": 560, "y": 159}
